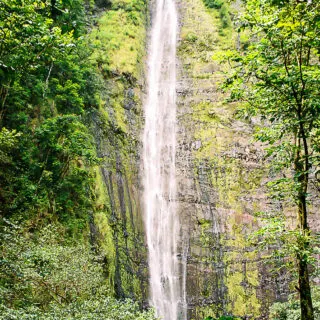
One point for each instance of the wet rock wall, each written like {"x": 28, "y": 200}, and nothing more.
{"x": 222, "y": 182}
{"x": 119, "y": 43}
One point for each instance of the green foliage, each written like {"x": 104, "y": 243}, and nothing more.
{"x": 225, "y": 16}
{"x": 57, "y": 94}
{"x": 277, "y": 80}
{"x": 8, "y": 145}
{"x": 69, "y": 15}
{"x": 49, "y": 175}
{"x": 67, "y": 139}
{"x": 222, "y": 318}
{"x": 121, "y": 33}
{"x": 216, "y": 4}
{"x": 45, "y": 72}
{"x": 40, "y": 269}
{"x": 101, "y": 308}
{"x": 285, "y": 243}
{"x": 64, "y": 149}
{"x": 31, "y": 33}
{"x": 290, "y": 310}
{"x": 44, "y": 277}
{"x": 223, "y": 9}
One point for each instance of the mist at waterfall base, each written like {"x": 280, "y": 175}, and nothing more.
{"x": 167, "y": 290}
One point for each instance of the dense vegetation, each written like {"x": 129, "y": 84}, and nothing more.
{"x": 66, "y": 71}
{"x": 44, "y": 277}
{"x": 53, "y": 79}
{"x": 45, "y": 93}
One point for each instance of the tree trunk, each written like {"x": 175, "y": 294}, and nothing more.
{"x": 54, "y": 11}
{"x": 301, "y": 170}
{"x": 305, "y": 292}
{"x": 304, "y": 282}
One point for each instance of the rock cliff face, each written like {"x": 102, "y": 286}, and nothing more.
{"x": 117, "y": 224}
{"x": 222, "y": 177}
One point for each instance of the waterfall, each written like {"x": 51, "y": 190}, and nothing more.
{"x": 159, "y": 141}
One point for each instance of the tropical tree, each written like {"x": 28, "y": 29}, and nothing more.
{"x": 46, "y": 87}
{"x": 277, "y": 77}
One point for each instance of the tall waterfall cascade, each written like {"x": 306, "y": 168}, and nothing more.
{"x": 167, "y": 293}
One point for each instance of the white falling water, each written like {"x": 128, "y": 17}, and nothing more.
{"x": 159, "y": 140}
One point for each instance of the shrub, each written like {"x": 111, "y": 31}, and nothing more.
{"x": 42, "y": 277}
{"x": 224, "y": 16}
{"x": 290, "y": 310}
{"x": 93, "y": 309}
{"x": 215, "y": 4}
